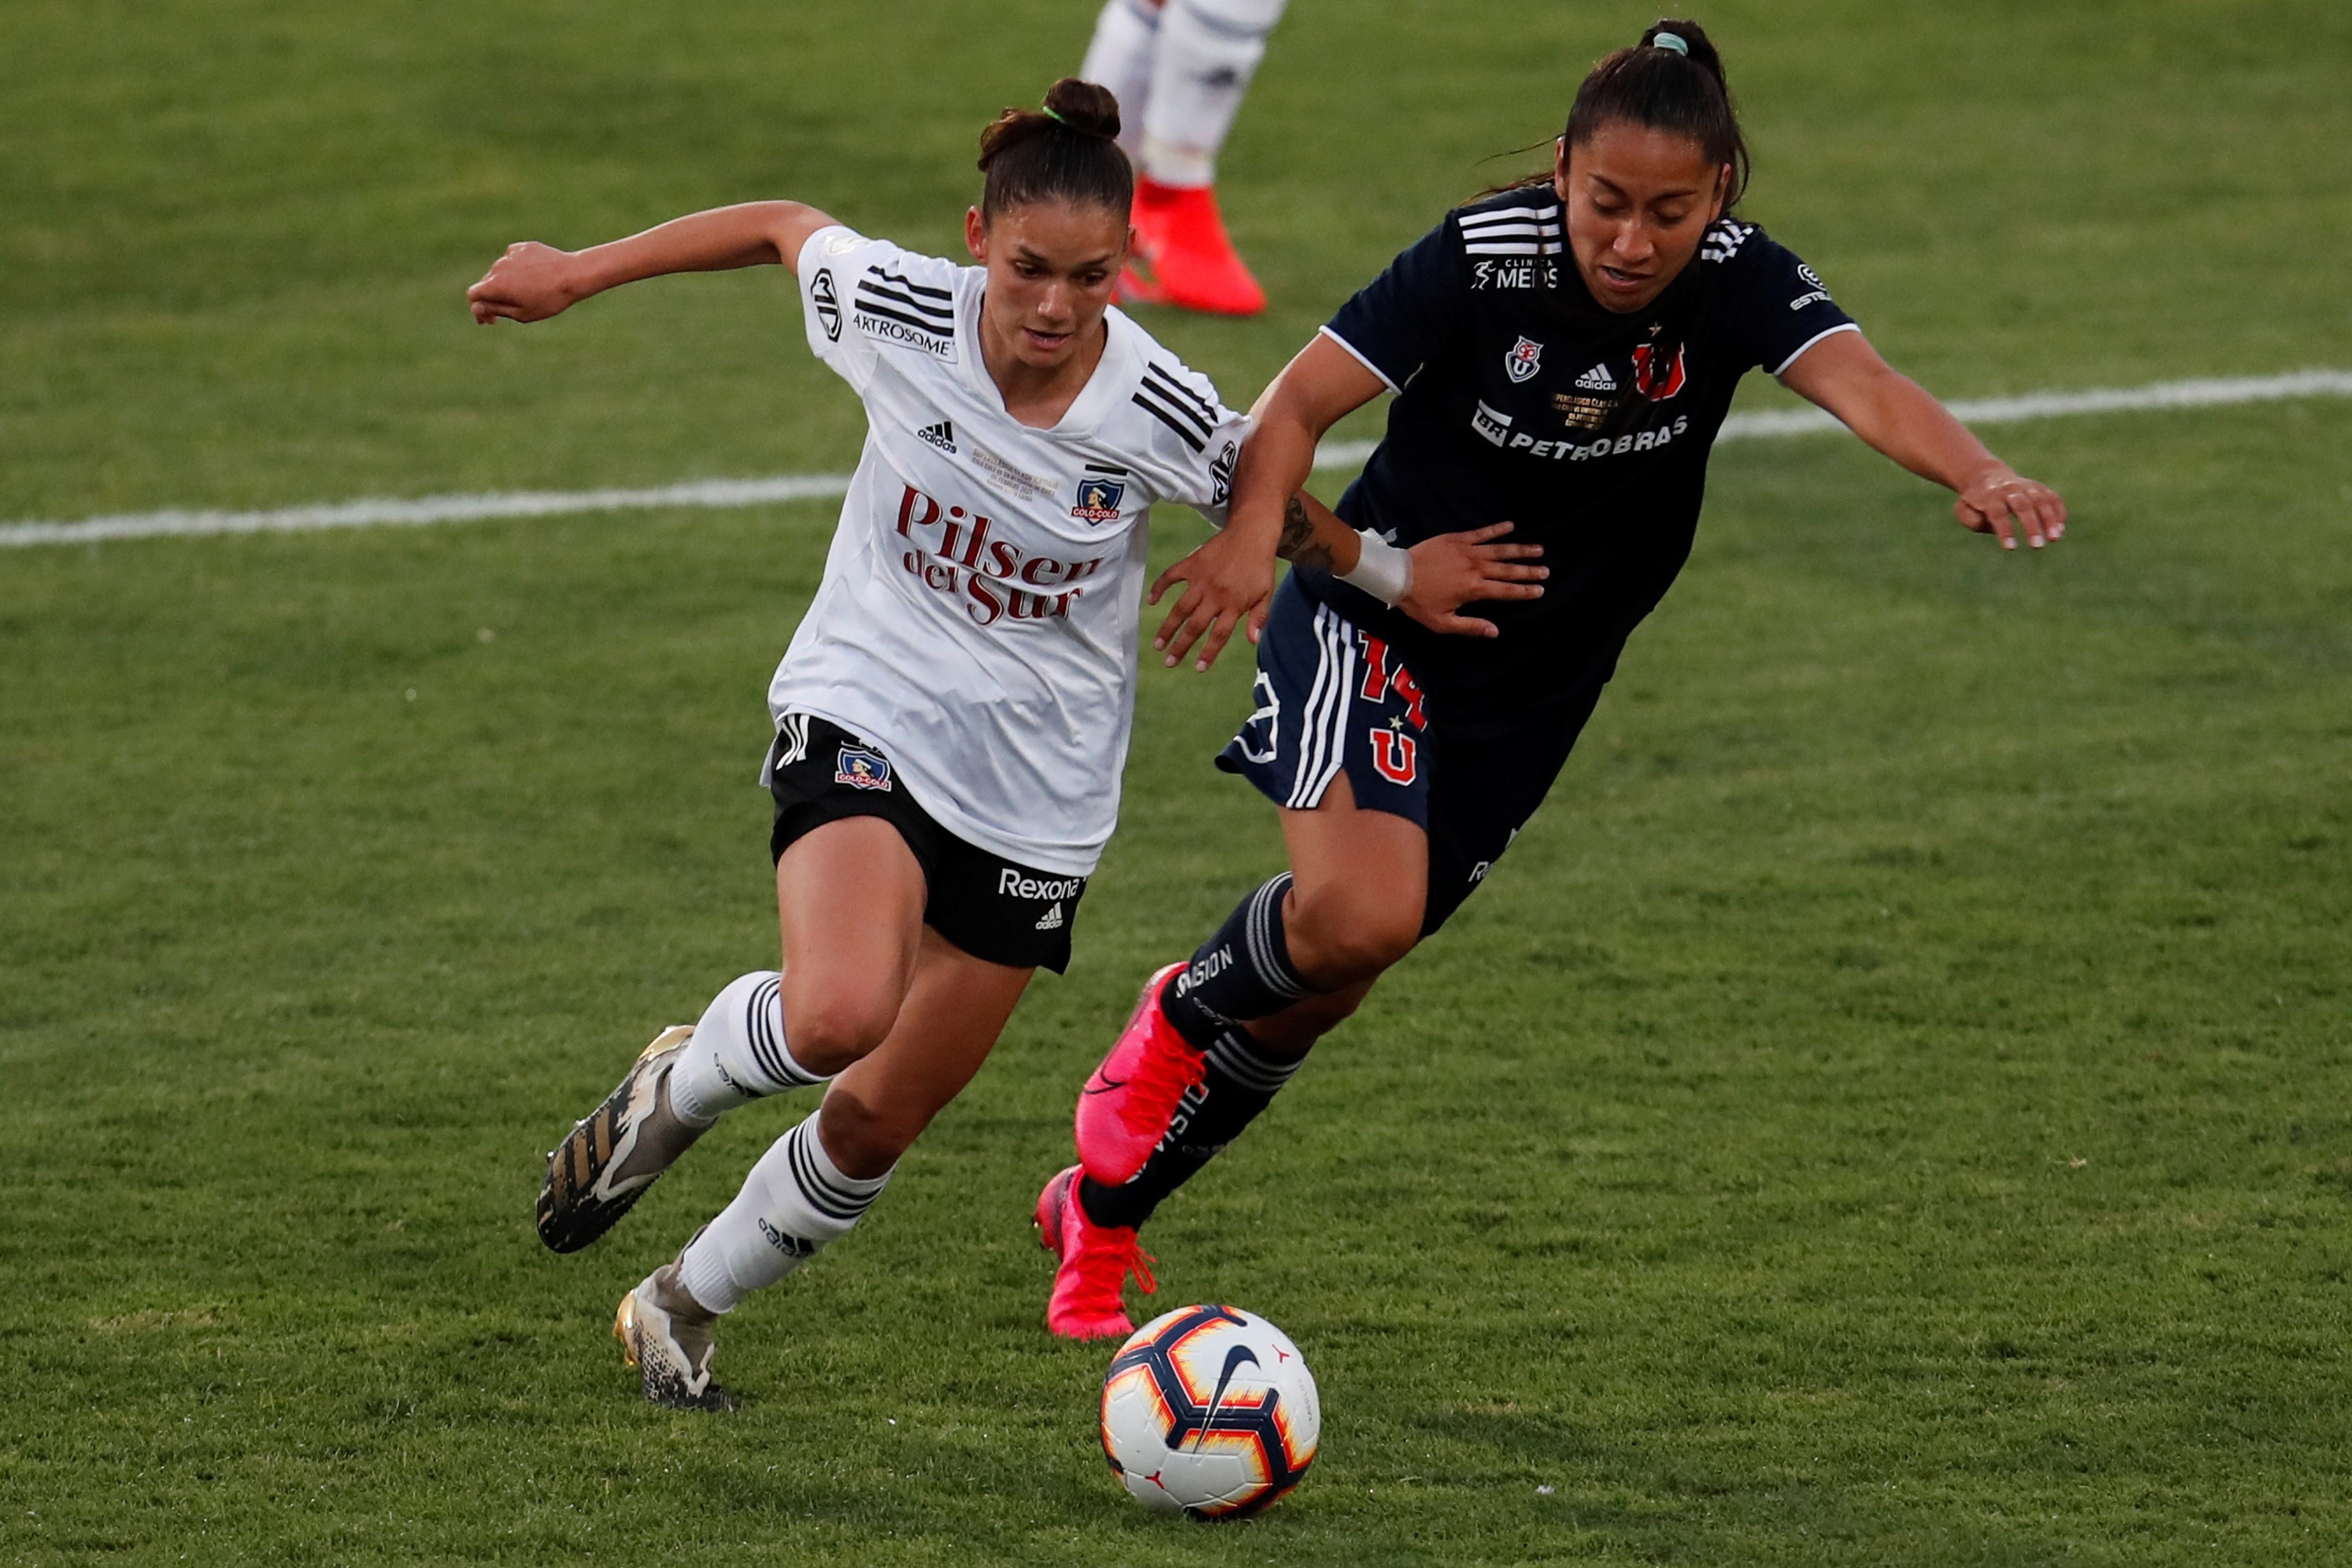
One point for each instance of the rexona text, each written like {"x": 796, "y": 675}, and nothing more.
{"x": 993, "y": 576}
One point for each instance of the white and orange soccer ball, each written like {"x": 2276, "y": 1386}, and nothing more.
{"x": 1210, "y": 1412}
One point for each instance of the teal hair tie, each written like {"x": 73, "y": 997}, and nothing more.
{"x": 1672, "y": 42}
{"x": 1059, "y": 120}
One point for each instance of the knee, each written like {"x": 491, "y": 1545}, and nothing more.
{"x": 866, "y": 1137}
{"x": 1342, "y": 937}
{"x": 828, "y": 1030}
{"x": 1363, "y": 952}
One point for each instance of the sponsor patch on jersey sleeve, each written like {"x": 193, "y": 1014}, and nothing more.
{"x": 891, "y": 307}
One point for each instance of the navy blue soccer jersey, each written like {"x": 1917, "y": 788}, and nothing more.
{"x": 1520, "y": 399}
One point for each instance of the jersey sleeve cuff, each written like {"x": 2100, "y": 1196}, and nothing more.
{"x": 1358, "y": 355}
{"x": 1816, "y": 337}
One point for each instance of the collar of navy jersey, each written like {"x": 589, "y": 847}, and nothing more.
{"x": 1531, "y": 228}
{"x": 1522, "y": 228}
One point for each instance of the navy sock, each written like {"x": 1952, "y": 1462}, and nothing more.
{"x": 1242, "y": 972}
{"x": 1243, "y": 1079}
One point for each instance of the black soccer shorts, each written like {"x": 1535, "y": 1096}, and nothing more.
{"x": 992, "y": 907}
{"x": 1331, "y": 697}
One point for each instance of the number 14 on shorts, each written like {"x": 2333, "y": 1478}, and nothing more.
{"x": 1396, "y": 754}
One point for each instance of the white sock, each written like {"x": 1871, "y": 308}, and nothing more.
{"x": 738, "y": 1052}
{"x": 1208, "y": 51}
{"x": 795, "y": 1201}
{"x": 1120, "y": 58}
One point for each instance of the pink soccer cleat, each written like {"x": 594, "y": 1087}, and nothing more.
{"x": 1184, "y": 256}
{"x": 1095, "y": 1261}
{"x": 1126, "y": 1104}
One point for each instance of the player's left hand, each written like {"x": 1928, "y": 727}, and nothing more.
{"x": 1229, "y": 583}
{"x": 1452, "y": 570}
{"x": 1988, "y": 504}
{"x": 530, "y": 283}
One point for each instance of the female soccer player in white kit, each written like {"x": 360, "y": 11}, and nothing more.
{"x": 953, "y": 713}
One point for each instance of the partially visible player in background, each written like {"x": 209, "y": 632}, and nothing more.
{"x": 1179, "y": 68}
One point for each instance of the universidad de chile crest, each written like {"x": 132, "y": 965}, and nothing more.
{"x": 1524, "y": 359}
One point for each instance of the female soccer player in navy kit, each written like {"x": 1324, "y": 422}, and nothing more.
{"x": 1562, "y": 354}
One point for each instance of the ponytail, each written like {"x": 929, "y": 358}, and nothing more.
{"x": 1068, "y": 151}
{"x": 1671, "y": 82}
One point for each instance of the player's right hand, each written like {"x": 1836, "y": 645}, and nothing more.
{"x": 1229, "y": 583}
{"x": 530, "y": 283}
{"x": 1456, "y": 569}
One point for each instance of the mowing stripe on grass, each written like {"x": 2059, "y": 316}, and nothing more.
{"x": 414, "y": 513}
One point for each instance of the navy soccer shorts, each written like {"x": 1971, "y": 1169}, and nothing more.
{"x": 1331, "y": 697}
{"x": 993, "y": 908}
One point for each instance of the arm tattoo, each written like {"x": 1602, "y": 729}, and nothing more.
{"x": 1299, "y": 545}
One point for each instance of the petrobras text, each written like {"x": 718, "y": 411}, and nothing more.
{"x": 1496, "y": 428}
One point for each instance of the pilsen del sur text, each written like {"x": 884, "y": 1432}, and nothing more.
{"x": 993, "y": 576}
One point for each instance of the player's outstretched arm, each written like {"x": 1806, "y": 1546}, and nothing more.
{"x": 1229, "y": 581}
{"x": 534, "y": 282}
{"x": 1899, "y": 417}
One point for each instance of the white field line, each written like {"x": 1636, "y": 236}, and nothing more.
{"x": 414, "y": 513}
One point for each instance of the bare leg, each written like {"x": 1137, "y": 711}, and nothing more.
{"x": 951, "y": 1019}
{"x": 945, "y": 1009}
{"x": 904, "y": 1015}
{"x": 845, "y": 979}
{"x": 1359, "y": 880}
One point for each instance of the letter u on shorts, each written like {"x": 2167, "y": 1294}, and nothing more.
{"x": 1330, "y": 696}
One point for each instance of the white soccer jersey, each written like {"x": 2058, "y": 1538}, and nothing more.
{"x": 977, "y": 622}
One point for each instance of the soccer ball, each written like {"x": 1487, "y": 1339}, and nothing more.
{"x": 1209, "y": 1412}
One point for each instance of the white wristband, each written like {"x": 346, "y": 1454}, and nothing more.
{"x": 1382, "y": 570}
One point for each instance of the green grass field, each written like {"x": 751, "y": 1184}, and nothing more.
{"x": 1894, "y": 1106}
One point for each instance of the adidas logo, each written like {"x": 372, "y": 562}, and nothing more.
{"x": 1051, "y": 919}
{"x": 791, "y": 1246}
{"x": 1597, "y": 379}
{"x": 941, "y": 434}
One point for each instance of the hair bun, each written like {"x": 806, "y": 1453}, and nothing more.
{"x": 1083, "y": 106}
{"x": 1689, "y": 40}
{"x": 1068, "y": 151}
{"x": 1652, "y": 84}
